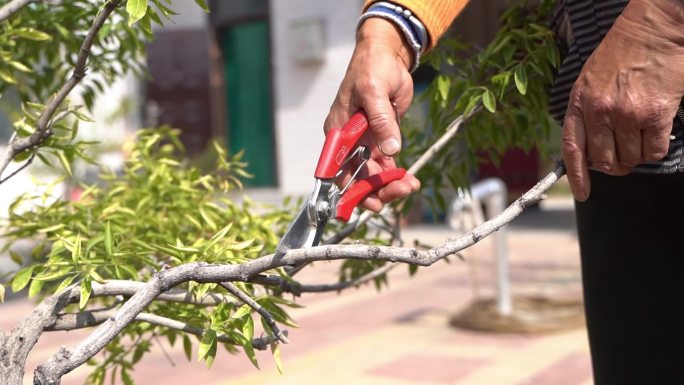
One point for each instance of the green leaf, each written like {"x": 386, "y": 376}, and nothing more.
{"x": 218, "y": 236}
{"x": 66, "y": 282}
{"x": 86, "y": 290}
{"x": 275, "y": 349}
{"x": 249, "y": 350}
{"x": 64, "y": 161}
{"x": 187, "y": 347}
{"x": 22, "y": 278}
{"x": 489, "y": 100}
{"x": 19, "y": 66}
{"x": 472, "y": 103}
{"x": 443, "y": 85}
{"x": 16, "y": 257}
{"x": 136, "y": 10}
{"x": 8, "y": 78}
{"x": 207, "y": 347}
{"x": 242, "y": 311}
{"x": 96, "y": 276}
{"x": 76, "y": 250}
{"x": 126, "y": 378}
{"x": 240, "y": 245}
{"x": 32, "y": 34}
{"x": 35, "y": 287}
{"x": 108, "y": 238}
{"x": 202, "y": 5}
{"x": 521, "y": 79}
{"x": 248, "y": 328}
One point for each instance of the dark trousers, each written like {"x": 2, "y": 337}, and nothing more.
{"x": 631, "y": 234}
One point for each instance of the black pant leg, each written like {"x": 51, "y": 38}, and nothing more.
{"x": 632, "y": 247}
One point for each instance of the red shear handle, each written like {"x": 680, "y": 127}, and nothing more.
{"x": 362, "y": 188}
{"x": 338, "y": 143}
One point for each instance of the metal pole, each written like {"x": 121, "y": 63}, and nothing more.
{"x": 493, "y": 194}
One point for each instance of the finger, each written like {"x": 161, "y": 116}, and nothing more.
{"x": 574, "y": 141}
{"x": 339, "y": 114}
{"x": 656, "y": 140}
{"x": 628, "y": 139}
{"x": 600, "y": 139}
{"x": 396, "y": 190}
{"x": 372, "y": 203}
{"x": 382, "y": 123}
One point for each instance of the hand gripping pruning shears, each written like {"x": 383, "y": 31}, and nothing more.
{"x": 327, "y": 200}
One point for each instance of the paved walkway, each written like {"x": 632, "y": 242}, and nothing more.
{"x": 400, "y": 335}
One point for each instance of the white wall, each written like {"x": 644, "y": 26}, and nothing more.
{"x": 304, "y": 92}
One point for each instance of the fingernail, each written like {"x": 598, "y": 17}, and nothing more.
{"x": 390, "y": 146}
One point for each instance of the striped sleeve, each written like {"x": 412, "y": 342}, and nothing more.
{"x": 436, "y": 15}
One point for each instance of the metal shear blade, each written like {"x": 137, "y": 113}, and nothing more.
{"x": 303, "y": 232}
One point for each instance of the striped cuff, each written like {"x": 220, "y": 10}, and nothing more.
{"x": 413, "y": 30}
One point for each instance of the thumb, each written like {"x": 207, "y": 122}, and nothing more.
{"x": 383, "y": 125}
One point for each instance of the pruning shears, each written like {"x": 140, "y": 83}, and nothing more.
{"x": 327, "y": 200}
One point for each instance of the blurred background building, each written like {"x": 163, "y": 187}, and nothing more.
{"x": 261, "y": 76}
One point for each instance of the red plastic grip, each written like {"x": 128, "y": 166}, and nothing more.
{"x": 338, "y": 143}
{"x": 362, "y": 188}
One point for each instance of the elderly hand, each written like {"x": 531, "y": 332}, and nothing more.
{"x": 378, "y": 76}
{"x": 623, "y": 103}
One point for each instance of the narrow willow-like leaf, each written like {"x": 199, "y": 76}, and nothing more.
{"x": 22, "y": 278}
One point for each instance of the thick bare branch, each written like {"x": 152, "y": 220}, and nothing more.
{"x": 13, "y": 7}
{"x": 42, "y": 129}
{"x": 234, "y": 290}
{"x": 17, "y": 345}
{"x": 297, "y": 288}
{"x": 67, "y": 360}
{"x": 85, "y": 319}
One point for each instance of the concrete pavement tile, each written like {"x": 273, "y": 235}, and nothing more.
{"x": 425, "y": 368}
{"x": 573, "y": 369}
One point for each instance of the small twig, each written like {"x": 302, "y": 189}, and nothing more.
{"x": 234, "y": 290}
{"x": 163, "y": 349}
{"x": 42, "y": 129}
{"x": 116, "y": 287}
{"x": 18, "y": 170}
{"x": 90, "y": 318}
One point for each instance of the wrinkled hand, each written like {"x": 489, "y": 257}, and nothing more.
{"x": 623, "y": 103}
{"x": 377, "y": 76}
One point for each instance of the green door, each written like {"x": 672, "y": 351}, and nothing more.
{"x": 248, "y": 94}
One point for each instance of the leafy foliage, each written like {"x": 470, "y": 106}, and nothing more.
{"x": 157, "y": 212}
{"x": 509, "y": 78}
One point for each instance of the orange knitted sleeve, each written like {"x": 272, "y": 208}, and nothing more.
{"x": 436, "y": 15}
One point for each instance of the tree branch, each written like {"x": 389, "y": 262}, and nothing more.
{"x": 67, "y": 360}
{"x": 297, "y": 288}
{"x": 234, "y": 290}
{"x": 13, "y": 7}
{"x": 129, "y": 288}
{"x": 42, "y": 130}
{"x": 89, "y": 318}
